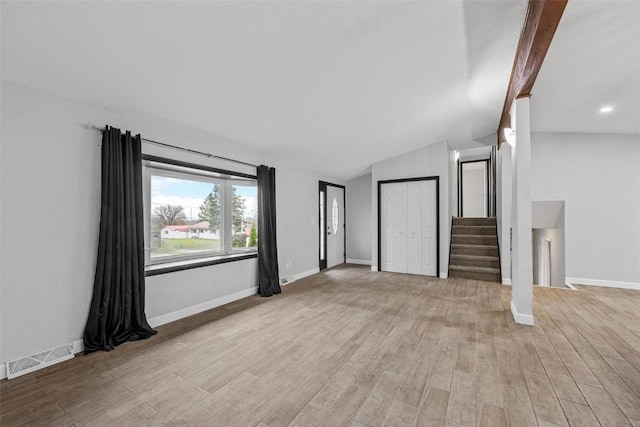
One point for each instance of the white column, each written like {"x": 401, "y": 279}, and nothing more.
{"x": 503, "y": 208}
{"x": 522, "y": 257}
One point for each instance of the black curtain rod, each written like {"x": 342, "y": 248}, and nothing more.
{"x": 175, "y": 147}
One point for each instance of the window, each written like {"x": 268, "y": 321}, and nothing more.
{"x": 334, "y": 216}
{"x": 193, "y": 213}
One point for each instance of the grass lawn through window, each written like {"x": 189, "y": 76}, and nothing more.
{"x": 185, "y": 246}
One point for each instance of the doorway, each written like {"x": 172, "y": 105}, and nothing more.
{"x": 332, "y": 225}
{"x": 408, "y": 226}
{"x": 473, "y": 179}
{"x": 548, "y": 243}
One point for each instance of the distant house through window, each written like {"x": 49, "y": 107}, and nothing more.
{"x": 193, "y": 213}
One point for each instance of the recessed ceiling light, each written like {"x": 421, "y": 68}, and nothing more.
{"x": 606, "y": 109}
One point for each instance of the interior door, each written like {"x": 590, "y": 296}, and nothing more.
{"x": 475, "y": 189}
{"x": 334, "y": 223}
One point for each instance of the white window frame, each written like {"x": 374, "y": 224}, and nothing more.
{"x": 193, "y": 172}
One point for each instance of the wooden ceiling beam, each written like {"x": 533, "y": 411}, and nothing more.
{"x": 541, "y": 22}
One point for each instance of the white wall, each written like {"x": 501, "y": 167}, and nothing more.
{"x": 359, "y": 219}
{"x": 50, "y": 195}
{"x": 298, "y": 203}
{"x": 597, "y": 175}
{"x": 432, "y": 160}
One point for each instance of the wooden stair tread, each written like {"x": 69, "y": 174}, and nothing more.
{"x": 474, "y": 235}
{"x": 474, "y": 269}
{"x": 475, "y": 257}
{"x": 472, "y": 226}
{"x": 472, "y": 245}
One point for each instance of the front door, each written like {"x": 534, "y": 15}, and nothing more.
{"x": 332, "y": 225}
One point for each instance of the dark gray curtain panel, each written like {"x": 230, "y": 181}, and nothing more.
{"x": 116, "y": 314}
{"x": 268, "y": 276}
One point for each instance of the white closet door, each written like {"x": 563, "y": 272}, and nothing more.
{"x": 394, "y": 221}
{"x": 429, "y": 232}
{"x": 414, "y": 223}
{"x": 409, "y": 227}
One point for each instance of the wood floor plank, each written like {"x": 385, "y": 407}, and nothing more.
{"x": 493, "y": 416}
{"x": 400, "y": 414}
{"x": 445, "y": 360}
{"x": 353, "y": 347}
{"x": 462, "y": 400}
{"x": 577, "y": 368}
{"x": 579, "y": 415}
{"x": 603, "y": 406}
{"x": 562, "y": 382}
{"x": 346, "y": 407}
{"x": 543, "y": 397}
{"x": 628, "y": 373}
{"x": 433, "y": 409}
{"x": 619, "y": 392}
{"x": 374, "y": 410}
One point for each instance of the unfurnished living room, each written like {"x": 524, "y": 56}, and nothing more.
{"x": 320, "y": 213}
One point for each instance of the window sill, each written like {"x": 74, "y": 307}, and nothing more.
{"x": 170, "y": 267}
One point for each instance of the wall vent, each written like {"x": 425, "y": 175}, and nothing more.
{"x": 28, "y": 364}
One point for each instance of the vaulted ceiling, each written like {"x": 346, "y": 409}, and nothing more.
{"x": 334, "y": 86}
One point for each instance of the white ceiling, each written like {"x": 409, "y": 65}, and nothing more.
{"x": 334, "y": 86}
{"x": 593, "y": 61}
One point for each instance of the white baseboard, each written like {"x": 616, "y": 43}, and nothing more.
{"x": 358, "y": 261}
{"x": 523, "y": 319}
{"x": 444, "y": 275}
{"x": 3, "y": 371}
{"x": 604, "y": 283}
{"x": 374, "y": 268}
{"x": 299, "y": 276}
{"x": 163, "y": 319}
{"x": 506, "y": 281}
{"x": 77, "y": 346}
{"x": 306, "y": 274}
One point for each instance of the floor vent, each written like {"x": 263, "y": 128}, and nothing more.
{"x": 28, "y": 364}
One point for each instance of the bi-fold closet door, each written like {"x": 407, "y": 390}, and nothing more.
{"x": 409, "y": 227}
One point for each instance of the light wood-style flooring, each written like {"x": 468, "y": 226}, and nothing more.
{"x": 356, "y": 348}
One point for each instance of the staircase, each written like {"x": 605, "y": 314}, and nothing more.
{"x": 474, "y": 249}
